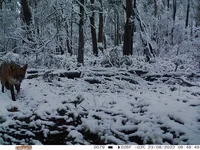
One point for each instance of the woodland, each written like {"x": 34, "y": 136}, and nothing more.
{"x": 102, "y": 72}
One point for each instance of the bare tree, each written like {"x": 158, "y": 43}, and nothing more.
{"x": 58, "y": 25}
{"x": 174, "y": 19}
{"x": 81, "y": 33}
{"x": 197, "y": 16}
{"x": 26, "y": 13}
{"x": 116, "y": 19}
{"x": 168, "y": 5}
{"x": 100, "y": 29}
{"x": 26, "y": 17}
{"x": 93, "y": 31}
{"x": 71, "y": 25}
{"x": 128, "y": 38}
{"x": 155, "y": 8}
{"x": 1, "y": 3}
{"x": 187, "y": 16}
{"x": 1, "y": 6}
{"x": 174, "y": 10}
{"x": 68, "y": 42}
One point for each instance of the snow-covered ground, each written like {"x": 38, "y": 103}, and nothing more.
{"x": 113, "y": 111}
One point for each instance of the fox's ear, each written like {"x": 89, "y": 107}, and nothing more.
{"x": 25, "y": 67}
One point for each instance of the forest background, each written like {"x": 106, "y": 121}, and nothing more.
{"x": 55, "y": 33}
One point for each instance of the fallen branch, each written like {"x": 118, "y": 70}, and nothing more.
{"x": 93, "y": 80}
{"x": 187, "y": 83}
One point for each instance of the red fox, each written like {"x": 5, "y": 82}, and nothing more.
{"x": 12, "y": 75}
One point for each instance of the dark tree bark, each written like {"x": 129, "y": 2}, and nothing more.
{"x": 93, "y": 32}
{"x": 187, "y": 16}
{"x": 197, "y": 15}
{"x": 1, "y": 3}
{"x": 81, "y": 34}
{"x": 134, "y": 15}
{"x": 101, "y": 36}
{"x": 155, "y": 8}
{"x": 168, "y": 5}
{"x": 59, "y": 39}
{"x": 34, "y": 5}
{"x": 174, "y": 19}
{"x": 116, "y": 29}
{"x": 128, "y": 38}
{"x": 1, "y": 6}
{"x": 69, "y": 47}
{"x": 174, "y": 10}
{"x": 26, "y": 18}
{"x": 71, "y": 26}
{"x": 26, "y": 12}
{"x": 100, "y": 33}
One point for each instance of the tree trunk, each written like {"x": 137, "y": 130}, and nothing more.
{"x": 100, "y": 32}
{"x": 174, "y": 10}
{"x": 174, "y": 19}
{"x": 1, "y": 6}
{"x": 197, "y": 15}
{"x": 134, "y": 8}
{"x": 93, "y": 32}
{"x": 187, "y": 16}
{"x": 116, "y": 28}
{"x": 26, "y": 13}
{"x": 69, "y": 48}
{"x": 128, "y": 39}
{"x": 71, "y": 26}
{"x": 34, "y": 5}
{"x": 1, "y": 3}
{"x": 81, "y": 34}
{"x": 168, "y": 5}
{"x": 26, "y": 17}
{"x": 155, "y": 8}
{"x": 59, "y": 39}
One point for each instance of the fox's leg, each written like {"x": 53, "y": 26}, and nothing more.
{"x": 6, "y": 84}
{"x": 17, "y": 87}
{"x": 2, "y": 89}
{"x": 12, "y": 92}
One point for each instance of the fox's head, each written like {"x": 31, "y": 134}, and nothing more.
{"x": 17, "y": 73}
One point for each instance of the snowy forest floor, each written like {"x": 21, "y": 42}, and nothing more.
{"x": 102, "y": 106}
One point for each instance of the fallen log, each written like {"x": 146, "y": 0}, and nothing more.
{"x": 93, "y": 80}
{"x": 108, "y": 73}
{"x": 129, "y": 79}
{"x": 32, "y": 71}
{"x": 183, "y": 77}
{"x": 32, "y": 76}
{"x": 70, "y": 74}
{"x": 138, "y": 72}
{"x": 50, "y": 74}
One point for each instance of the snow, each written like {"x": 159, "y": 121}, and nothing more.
{"x": 115, "y": 111}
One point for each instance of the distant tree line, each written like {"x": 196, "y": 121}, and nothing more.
{"x": 58, "y": 27}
